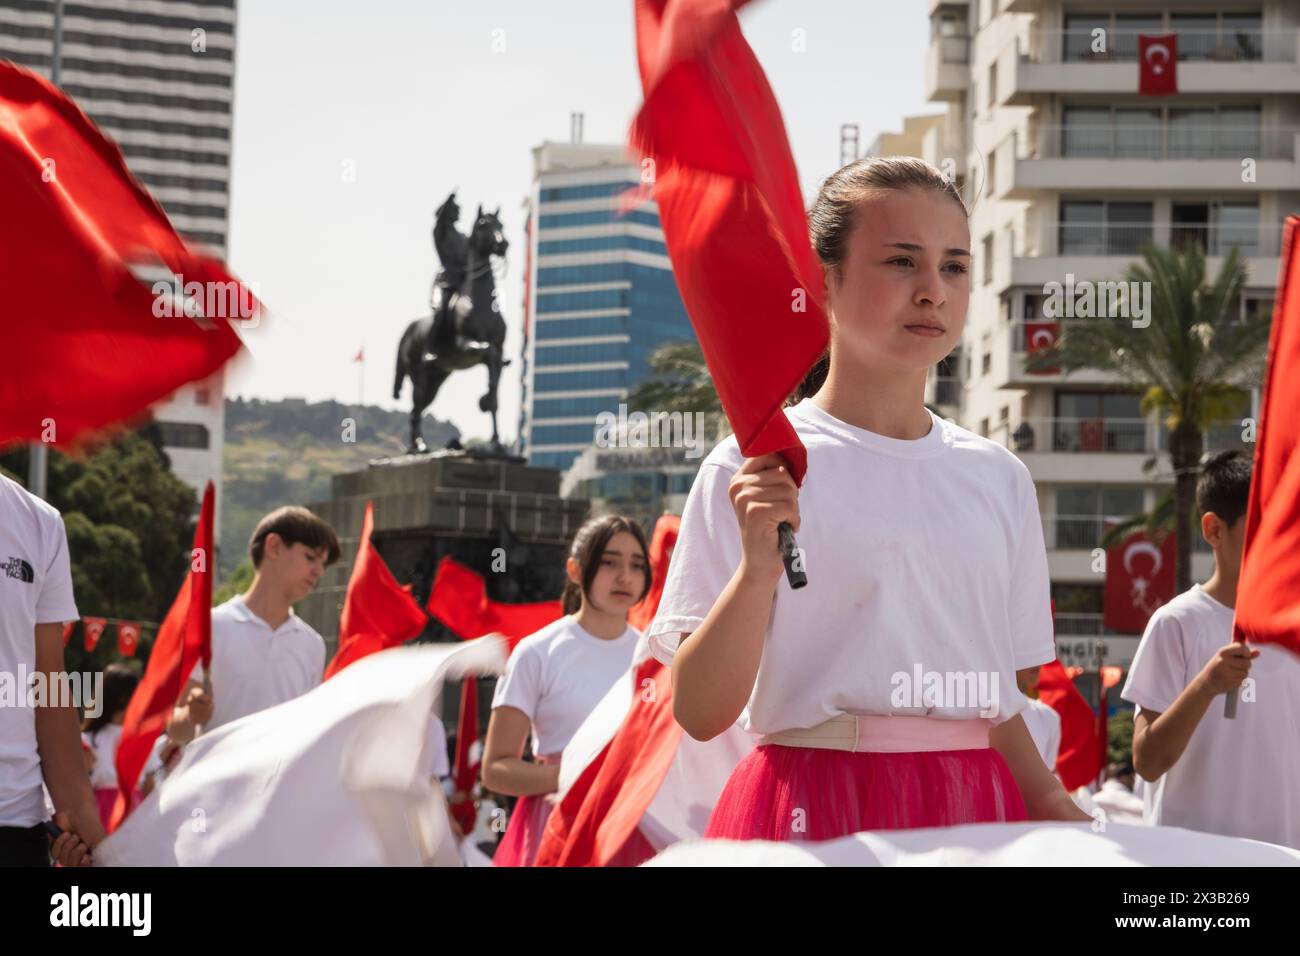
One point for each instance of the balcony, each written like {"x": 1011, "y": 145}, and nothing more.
{"x": 1147, "y": 159}
{"x": 1070, "y": 540}
{"x": 943, "y": 391}
{"x": 947, "y": 68}
{"x": 1209, "y": 62}
{"x": 1101, "y": 251}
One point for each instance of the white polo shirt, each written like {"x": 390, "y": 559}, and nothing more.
{"x": 255, "y": 667}
{"x": 35, "y": 588}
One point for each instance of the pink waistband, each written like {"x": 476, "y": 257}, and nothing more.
{"x": 879, "y": 733}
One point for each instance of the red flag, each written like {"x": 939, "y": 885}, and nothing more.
{"x": 1140, "y": 576}
{"x": 661, "y": 549}
{"x": 93, "y": 627}
{"x": 604, "y": 806}
{"x": 378, "y": 613}
{"x": 1040, "y": 336}
{"x": 1268, "y": 591}
{"x": 67, "y": 631}
{"x": 465, "y": 771}
{"x": 184, "y": 638}
{"x": 459, "y": 599}
{"x": 128, "y": 638}
{"x": 1082, "y": 749}
{"x": 84, "y": 344}
{"x": 1158, "y": 64}
{"x": 361, "y": 355}
{"x": 732, "y": 214}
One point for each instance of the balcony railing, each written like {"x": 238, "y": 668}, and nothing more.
{"x": 1083, "y": 533}
{"x": 1127, "y": 239}
{"x": 1102, "y": 435}
{"x": 1215, "y": 46}
{"x": 1164, "y": 141}
{"x": 947, "y": 391}
{"x": 954, "y": 49}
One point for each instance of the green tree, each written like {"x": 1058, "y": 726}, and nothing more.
{"x": 1189, "y": 364}
{"x": 680, "y": 381}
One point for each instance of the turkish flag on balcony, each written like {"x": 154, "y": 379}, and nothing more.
{"x": 1268, "y": 591}
{"x": 1140, "y": 576}
{"x": 85, "y": 341}
{"x": 1040, "y": 336}
{"x": 732, "y": 214}
{"x": 1092, "y": 434}
{"x": 1157, "y": 64}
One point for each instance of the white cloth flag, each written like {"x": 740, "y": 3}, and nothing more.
{"x": 992, "y": 844}
{"x": 331, "y": 778}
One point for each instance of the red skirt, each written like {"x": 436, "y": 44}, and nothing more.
{"x": 808, "y": 793}
{"x": 523, "y": 836}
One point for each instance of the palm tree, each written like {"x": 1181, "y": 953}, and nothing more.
{"x": 1190, "y": 364}
{"x": 680, "y": 383}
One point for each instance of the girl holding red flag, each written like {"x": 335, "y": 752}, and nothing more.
{"x": 884, "y": 692}
{"x": 557, "y": 676}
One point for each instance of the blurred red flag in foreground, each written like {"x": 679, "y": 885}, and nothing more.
{"x": 1268, "y": 592}
{"x": 85, "y": 345}
{"x": 378, "y": 613}
{"x": 184, "y": 639}
{"x": 459, "y": 599}
{"x": 732, "y": 214}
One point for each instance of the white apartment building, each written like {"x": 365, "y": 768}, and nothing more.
{"x": 1070, "y": 170}
{"x": 158, "y": 78}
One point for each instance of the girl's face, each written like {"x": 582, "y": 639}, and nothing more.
{"x": 619, "y": 579}
{"x": 900, "y": 302}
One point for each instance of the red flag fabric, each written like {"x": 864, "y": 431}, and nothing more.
{"x": 67, "y": 631}
{"x": 361, "y": 355}
{"x": 128, "y": 638}
{"x": 1080, "y": 755}
{"x": 1140, "y": 577}
{"x": 1157, "y": 64}
{"x": 732, "y": 214}
{"x": 661, "y": 549}
{"x": 1268, "y": 591}
{"x": 465, "y": 770}
{"x": 94, "y": 629}
{"x": 605, "y": 804}
{"x": 459, "y": 599}
{"x": 184, "y": 639}
{"x": 378, "y": 613}
{"x": 85, "y": 345}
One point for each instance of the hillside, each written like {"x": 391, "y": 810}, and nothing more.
{"x": 284, "y": 452}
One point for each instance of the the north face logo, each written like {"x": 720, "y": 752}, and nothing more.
{"x": 20, "y": 569}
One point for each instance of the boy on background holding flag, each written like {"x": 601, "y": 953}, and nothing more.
{"x": 262, "y": 653}
{"x": 1234, "y": 777}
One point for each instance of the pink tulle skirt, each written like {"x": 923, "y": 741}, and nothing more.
{"x": 806, "y": 793}
{"x": 523, "y": 836}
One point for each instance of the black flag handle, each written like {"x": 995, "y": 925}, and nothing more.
{"x": 1230, "y": 705}
{"x": 791, "y": 556}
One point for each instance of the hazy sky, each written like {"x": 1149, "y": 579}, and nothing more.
{"x": 354, "y": 120}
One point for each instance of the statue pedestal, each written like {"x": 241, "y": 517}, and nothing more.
{"x": 495, "y": 514}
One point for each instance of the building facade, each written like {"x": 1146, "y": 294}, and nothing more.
{"x": 1069, "y": 172}
{"x": 158, "y": 78}
{"x": 602, "y": 297}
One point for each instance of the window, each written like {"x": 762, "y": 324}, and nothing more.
{"x": 988, "y": 258}
{"x": 984, "y": 427}
{"x": 1005, "y": 413}
{"x": 1081, "y": 513}
{"x": 991, "y": 164}
{"x": 1099, "y": 421}
{"x": 993, "y": 86}
{"x": 202, "y": 396}
{"x": 183, "y": 434}
{"x": 986, "y": 353}
{"x": 1099, "y": 228}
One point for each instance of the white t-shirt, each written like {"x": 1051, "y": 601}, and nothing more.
{"x": 558, "y": 676}
{"x": 1237, "y": 777}
{"x": 104, "y": 743}
{"x": 438, "y": 763}
{"x": 925, "y": 563}
{"x": 35, "y": 588}
{"x": 1044, "y": 725}
{"x": 255, "y": 667}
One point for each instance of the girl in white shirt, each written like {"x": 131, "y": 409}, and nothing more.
{"x": 557, "y": 676}
{"x": 102, "y": 733}
{"x": 884, "y": 692}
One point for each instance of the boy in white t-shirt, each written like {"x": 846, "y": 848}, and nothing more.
{"x": 1237, "y": 777}
{"x": 262, "y": 653}
{"x": 40, "y": 742}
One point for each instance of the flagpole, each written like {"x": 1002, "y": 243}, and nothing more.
{"x": 39, "y": 454}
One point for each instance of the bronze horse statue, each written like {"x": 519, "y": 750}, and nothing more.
{"x": 474, "y": 330}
